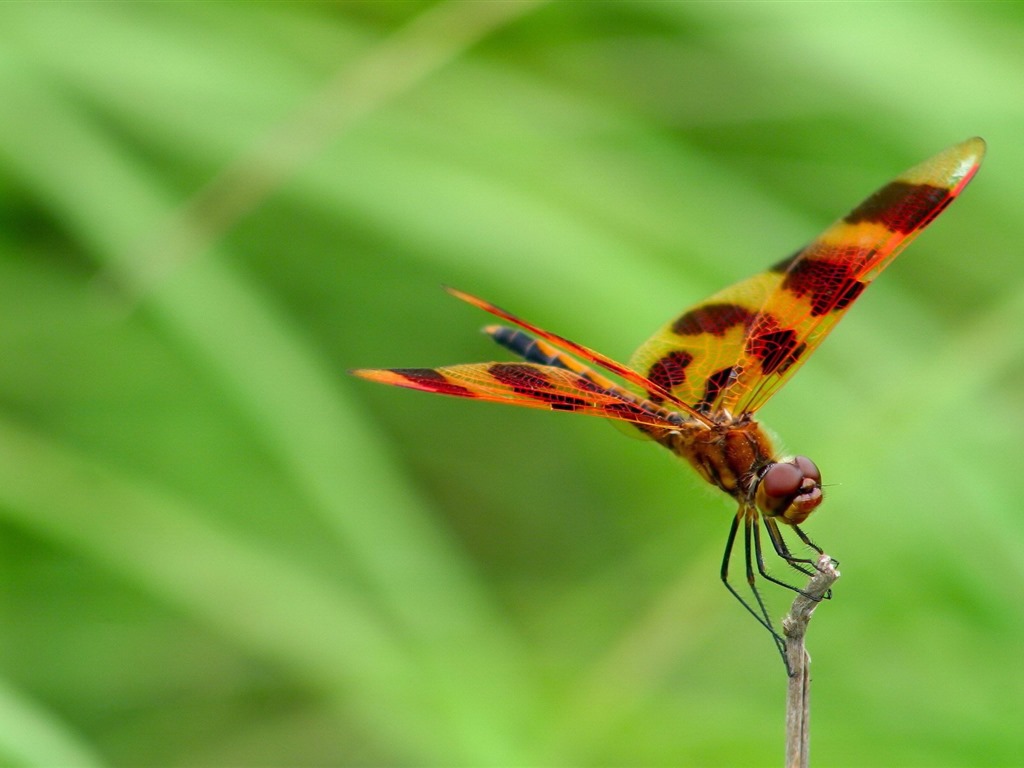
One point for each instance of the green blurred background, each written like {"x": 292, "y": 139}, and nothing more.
{"x": 216, "y": 548}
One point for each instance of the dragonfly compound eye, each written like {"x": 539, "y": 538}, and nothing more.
{"x": 808, "y": 468}
{"x": 790, "y": 490}
{"x": 781, "y": 481}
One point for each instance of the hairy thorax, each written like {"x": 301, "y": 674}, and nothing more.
{"x": 738, "y": 457}
{"x": 729, "y": 456}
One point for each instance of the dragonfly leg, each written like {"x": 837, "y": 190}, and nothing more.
{"x": 783, "y": 551}
{"x": 806, "y": 540}
{"x": 761, "y": 613}
{"x": 779, "y": 543}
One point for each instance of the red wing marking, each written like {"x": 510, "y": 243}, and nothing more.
{"x": 538, "y": 351}
{"x": 733, "y": 351}
{"x": 654, "y": 388}
{"x": 529, "y": 385}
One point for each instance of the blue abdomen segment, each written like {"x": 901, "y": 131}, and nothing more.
{"x": 527, "y": 347}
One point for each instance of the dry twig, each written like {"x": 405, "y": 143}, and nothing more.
{"x": 798, "y": 696}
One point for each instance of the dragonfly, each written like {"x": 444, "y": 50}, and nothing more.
{"x": 697, "y": 383}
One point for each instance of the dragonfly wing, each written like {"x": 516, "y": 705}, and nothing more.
{"x": 696, "y": 355}
{"x": 563, "y": 345}
{"x": 734, "y": 350}
{"x": 821, "y": 282}
{"x": 528, "y": 385}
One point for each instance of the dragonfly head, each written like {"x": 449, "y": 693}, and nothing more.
{"x": 789, "y": 490}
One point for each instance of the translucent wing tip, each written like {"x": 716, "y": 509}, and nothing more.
{"x": 974, "y": 152}
{"x": 952, "y": 168}
{"x": 976, "y": 146}
{"x": 371, "y": 374}
{"x": 969, "y": 153}
{"x": 467, "y": 297}
{"x": 973, "y": 149}
{"x": 392, "y": 376}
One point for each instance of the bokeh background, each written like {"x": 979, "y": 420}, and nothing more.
{"x": 216, "y": 548}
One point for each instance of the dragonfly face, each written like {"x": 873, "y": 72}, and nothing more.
{"x": 789, "y": 490}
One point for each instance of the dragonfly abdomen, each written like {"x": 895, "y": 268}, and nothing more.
{"x": 525, "y": 346}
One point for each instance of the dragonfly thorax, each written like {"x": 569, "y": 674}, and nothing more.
{"x": 739, "y": 458}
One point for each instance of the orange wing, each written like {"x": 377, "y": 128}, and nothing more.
{"x": 530, "y": 385}
{"x": 734, "y": 350}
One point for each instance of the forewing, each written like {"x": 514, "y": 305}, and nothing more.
{"x": 736, "y": 349}
{"x": 651, "y": 389}
{"x": 820, "y": 283}
{"x": 525, "y": 384}
{"x": 696, "y": 355}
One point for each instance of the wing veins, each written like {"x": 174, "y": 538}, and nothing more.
{"x": 597, "y": 358}
{"x": 529, "y": 385}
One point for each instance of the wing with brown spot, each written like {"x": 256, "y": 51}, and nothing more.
{"x": 527, "y": 385}
{"x": 695, "y": 356}
{"x": 736, "y": 349}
